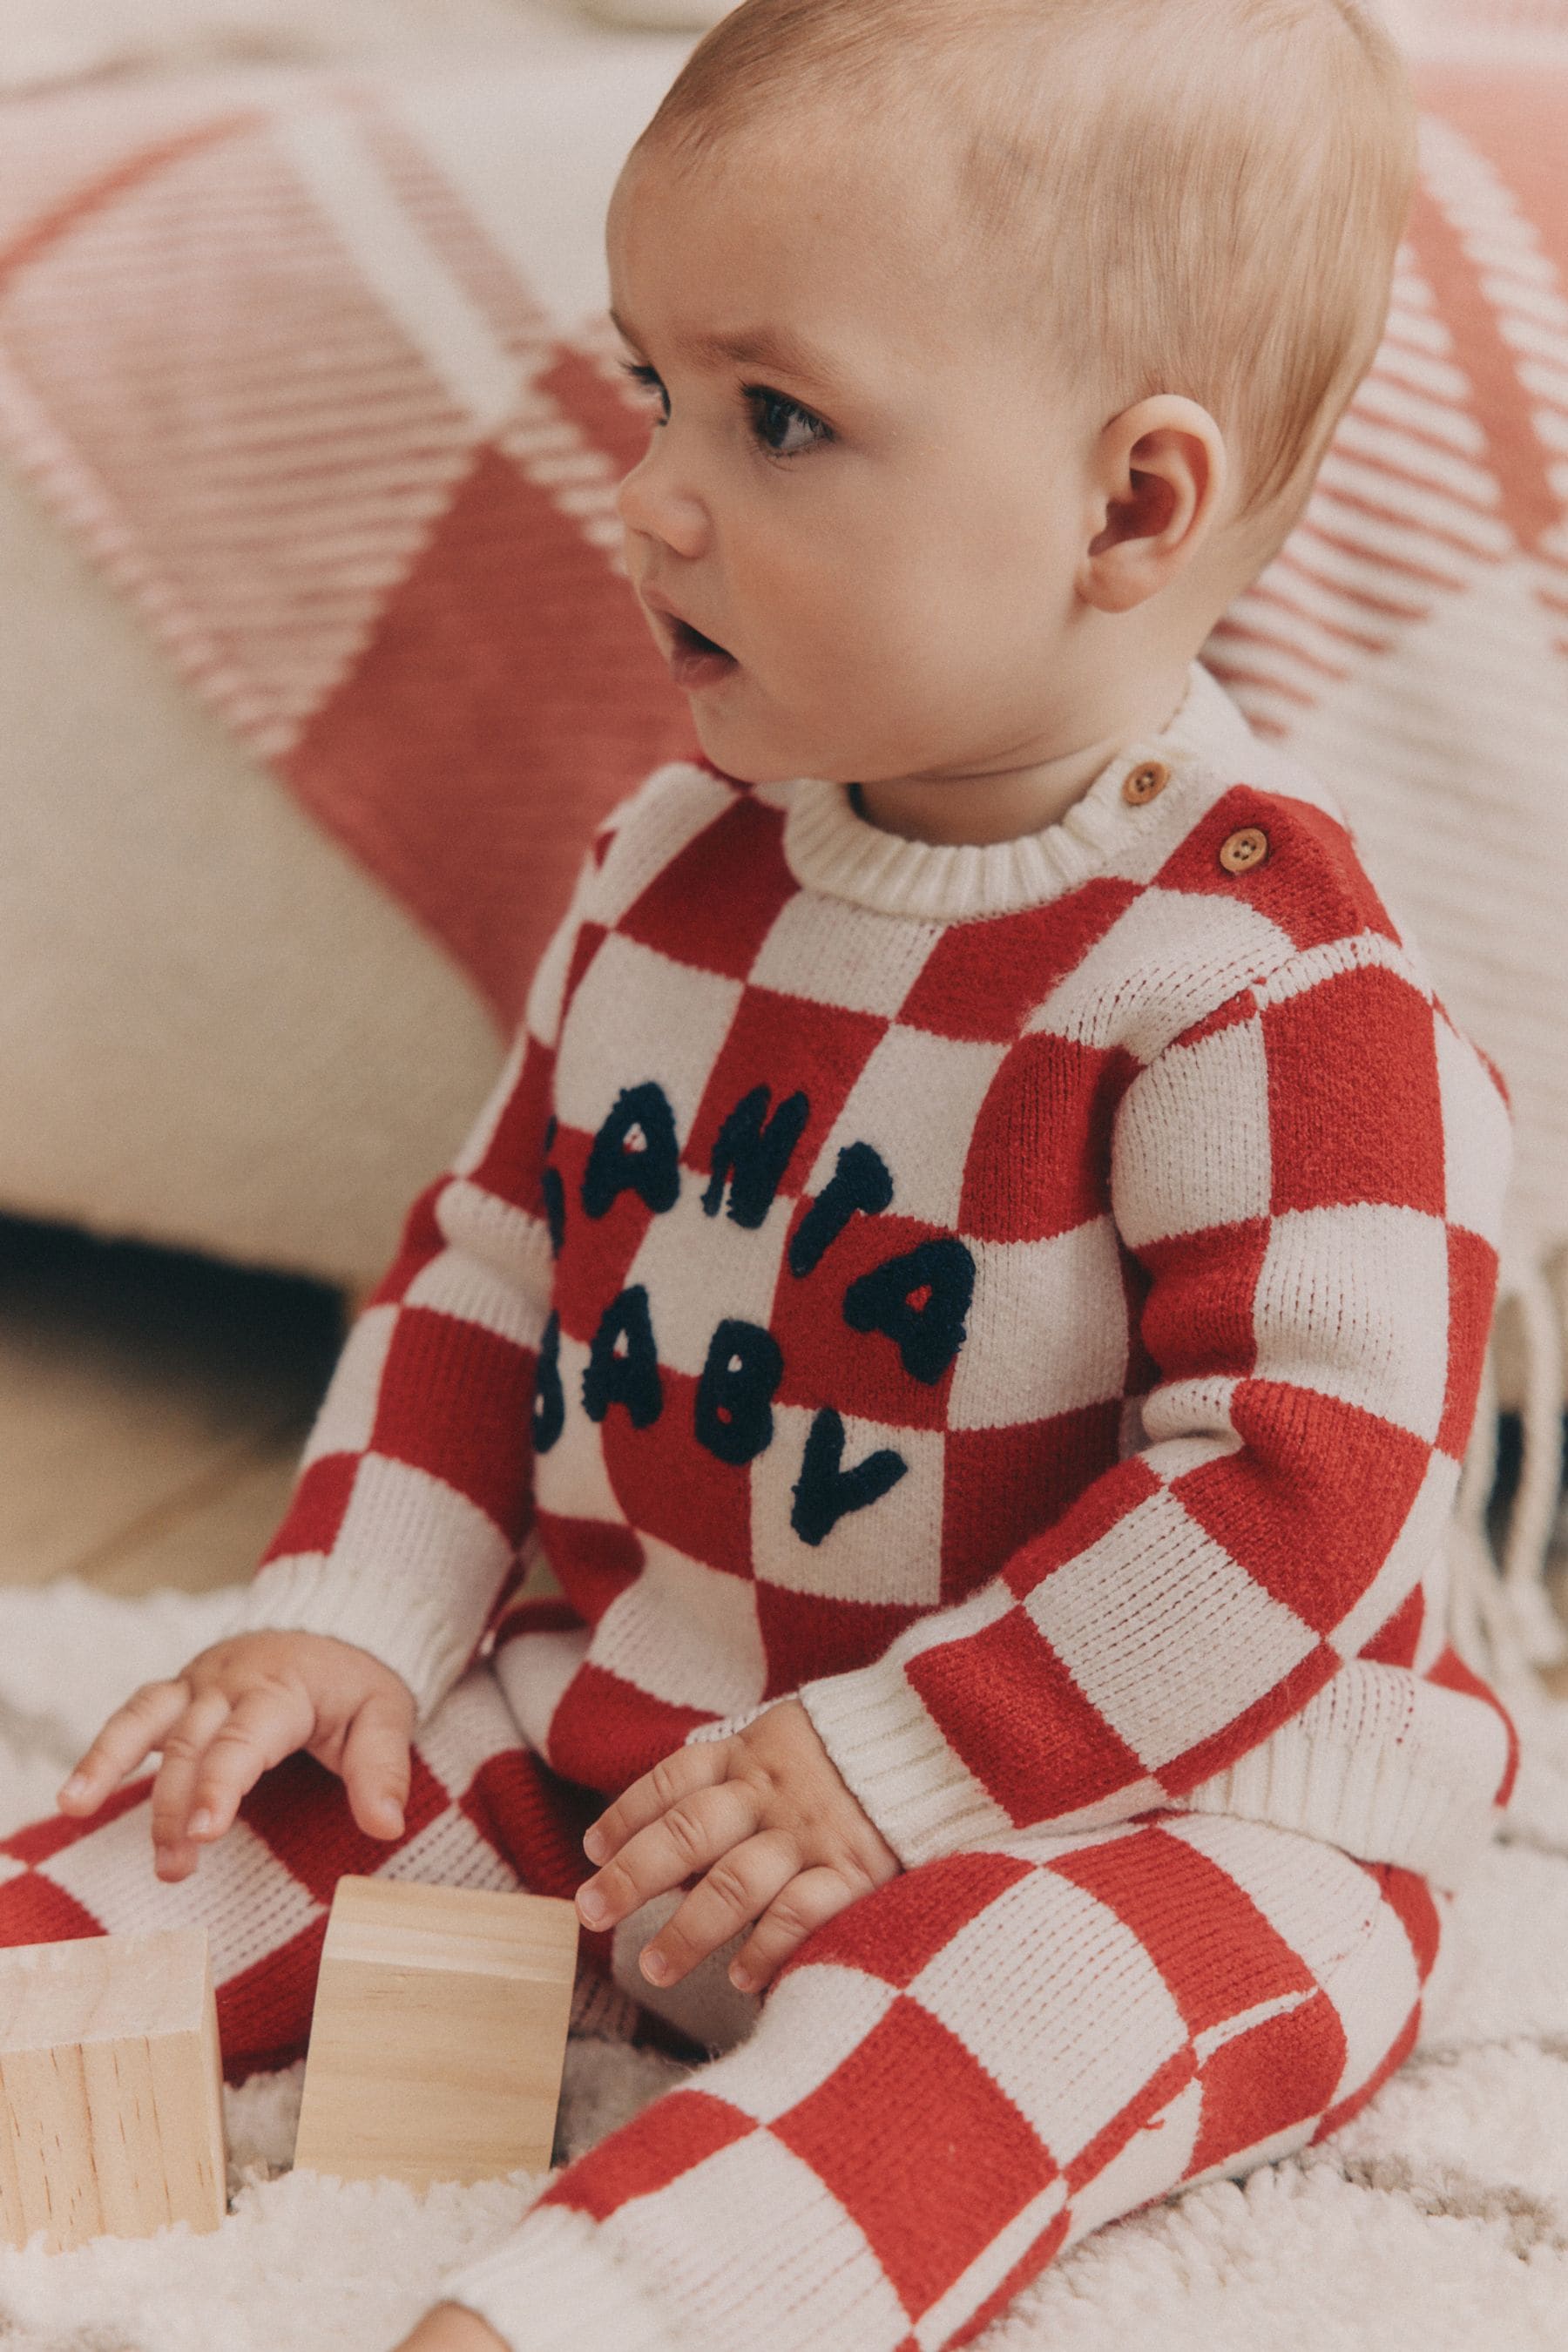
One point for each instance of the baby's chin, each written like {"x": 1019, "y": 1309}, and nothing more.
{"x": 752, "y": 755}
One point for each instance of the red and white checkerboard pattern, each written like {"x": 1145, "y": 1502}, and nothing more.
{"x": 964, "y": 2074}
{"x": 1227, "y": 1177}
{"x": 1228, "y": 1182}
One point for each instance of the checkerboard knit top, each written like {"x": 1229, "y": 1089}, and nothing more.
{"x": 1026, "y": 1301}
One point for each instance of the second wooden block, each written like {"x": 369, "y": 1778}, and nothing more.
{"x": 438, "y": 2034}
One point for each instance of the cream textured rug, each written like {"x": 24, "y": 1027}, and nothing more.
{"x": 1438, "y": 2223}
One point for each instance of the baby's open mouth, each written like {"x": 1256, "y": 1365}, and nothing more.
{"x": 692, "y": 641}
{"x": 697, "y": 662}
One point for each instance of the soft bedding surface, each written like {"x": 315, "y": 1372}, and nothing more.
{"x": 1437, "y": 2221}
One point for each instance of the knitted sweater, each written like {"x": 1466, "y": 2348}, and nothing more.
{"x": 1026, "y": 1301}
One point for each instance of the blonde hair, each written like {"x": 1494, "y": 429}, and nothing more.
{"x": 1194, "y": 196}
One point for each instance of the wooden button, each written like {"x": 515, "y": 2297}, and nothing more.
{"x": 1244, "y": 850}
{"x": 1144, "y": 784}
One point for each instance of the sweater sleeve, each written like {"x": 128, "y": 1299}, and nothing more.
{"x": 1308, "y": 1186}
{"x": 415, "y": 1489}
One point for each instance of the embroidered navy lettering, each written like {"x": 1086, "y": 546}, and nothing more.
{"x": 622, "y": 1362}
{"x": 733, "y": 1414}
{"x": 755, "y": 1155}
{"x": 634, "y": 1151}
{"x": 549, "y": 1397}
{"x": 825, "y": 1490}
{"x": 920, "y": 1299}
{"x": 554, "y": 1193}
{"x": 860, "y": 1180}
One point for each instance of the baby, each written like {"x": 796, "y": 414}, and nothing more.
{"x": 905, "y": 1466}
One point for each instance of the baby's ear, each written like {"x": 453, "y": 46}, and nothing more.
{"x": 1160, "y": 473}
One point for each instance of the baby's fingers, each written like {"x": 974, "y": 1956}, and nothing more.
{"x": 376, "y": 1768}
{"x": 737, "y": 1889}
{"x": 672, "y": 1778}
{"x": 258, "y": 1731}
{"x": 806, "y": 1904}
{"x": 185, "y": 1749}
{"x": 131, "y": 1733}
{"x": 697, "y": 1832}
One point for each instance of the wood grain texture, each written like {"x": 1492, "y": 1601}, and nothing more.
{"x": 110, "y": 2089}
{"x": 438, "y": 2034}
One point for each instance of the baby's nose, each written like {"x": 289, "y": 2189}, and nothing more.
{"x": 653, "y": 501}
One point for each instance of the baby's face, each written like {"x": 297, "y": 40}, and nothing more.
{"x": 879, "y": 511}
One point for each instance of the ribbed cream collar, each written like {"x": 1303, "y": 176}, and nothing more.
{"x": 829, "y": 848}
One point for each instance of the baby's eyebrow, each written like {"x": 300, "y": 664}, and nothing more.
{"x": 764, "y": 346}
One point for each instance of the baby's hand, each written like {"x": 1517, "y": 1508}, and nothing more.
{"x": 765, "y": 1813}
{"x": 239, "y": 1707}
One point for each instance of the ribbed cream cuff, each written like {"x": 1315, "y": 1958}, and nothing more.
{"x": 895, "y": 1761}
{"x": 552, "y": 2287}
{"x": 1379, "y": 1762}
{"x": 421, "y": 1635}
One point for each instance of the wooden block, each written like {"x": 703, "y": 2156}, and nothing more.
{"x": 111, "y": 2088}
{"x": 439, "y": 2033}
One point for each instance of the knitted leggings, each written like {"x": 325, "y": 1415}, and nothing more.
{"x": 959, "y": 2076}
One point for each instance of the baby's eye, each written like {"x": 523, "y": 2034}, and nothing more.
{"x": 775, "y": 416}
{"x": 772, "y": 415}
{"x": 647, "y": 377}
